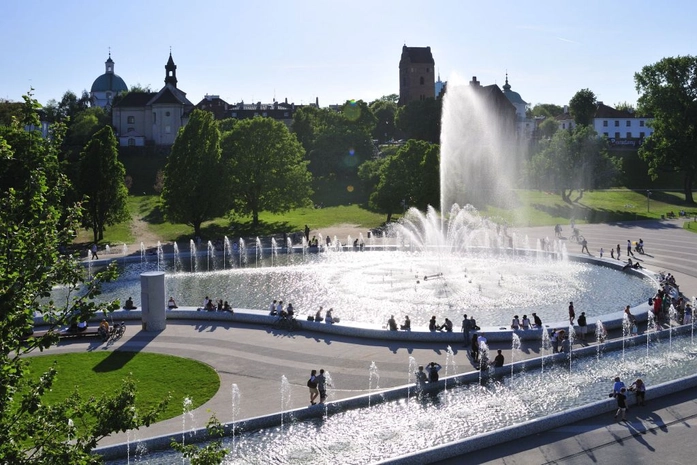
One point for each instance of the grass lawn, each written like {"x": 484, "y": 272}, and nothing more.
{"x": 528, "y": 208}
{"x": 156, "y": 376}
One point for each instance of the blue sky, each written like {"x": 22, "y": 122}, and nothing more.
{"x": 337, "y": 50}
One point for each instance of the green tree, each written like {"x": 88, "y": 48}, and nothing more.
{"x": 668, "y": 93}
{"x": 548, "y": 127}
{"x": 582, "y": 107}
{"x": 8, "y": 110}
{"x": 625, "y": 106}
{"x": 548, "y": 110}
{"x": 384, "y": 112}
{"x": 33, "y": 225}
{"x": 420, "y": 120}
{"x": 574, "y": 161}
{"x": 266, "y": 166}
{"x": 101, "y": 181}
{"x": 410, "y": 177}
{"x": 193, "y": 187}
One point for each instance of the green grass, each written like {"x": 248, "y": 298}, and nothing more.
{"x": 156, "y": 376}
{"x": 525, "y": 208}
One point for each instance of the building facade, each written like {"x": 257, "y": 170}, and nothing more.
{"x": 622, "y": 128}
{"x": 142, "y": 118}
{"x": 280, "y": 111}
{"x": 416, "y": 75}
{"x": 107, "y": 86}
{"x": 525, "y": 126}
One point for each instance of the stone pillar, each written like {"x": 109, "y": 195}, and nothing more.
{"x": 152, "y": 300}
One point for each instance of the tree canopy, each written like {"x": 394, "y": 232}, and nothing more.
{"x": 669, "y": 95}
{"x": 194, "y": 184}
{"x": 266, "y": 166}
{"x": 420, "y": 120}
{"x": 549, "y": 110}
{"x": 34, "y": 226}
{"x": 574, "y": 161}
{"x": 101, "y": 180}
{"x": 582, "y": 107}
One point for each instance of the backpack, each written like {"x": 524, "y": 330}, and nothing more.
{"x": 311, "y": 383}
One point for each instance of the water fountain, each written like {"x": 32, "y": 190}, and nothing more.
{"x": 210, "y": 255}
{"x": 235, "y": 405}
{"x": 373, "y": 380}
{"x": 227, "y": 251}
{"x": 515, "y": 347}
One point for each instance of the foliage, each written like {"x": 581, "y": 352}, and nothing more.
{"x": 265, "y": 165}
{"x": 582, "y": 107}
{"x": 408, "y": 178}
{"x": 211, "y": 454}
{"x": 384, "y": 111}
{"x": 33, "y": 225}
{"x": 101, "y": 181}
{"x": 548, "y": 110}
{"x": 548, "y": 127}
{"x": 625, "y": 106}
{"x": 68, "y": 107}
{"x": 668, "y": 93}
{"x": 9, "y": 110}
{"x": 574, "y": 160}
{"x": 193, "y": 191}
{"x": 420, "y": 120}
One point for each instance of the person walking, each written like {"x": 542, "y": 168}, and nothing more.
{"x": 93, "y": 250}
{"x": 629, "y": 248}
{"x": 582, "y": 326}
{"x": 322, "y": 386}
{"x": 622, "y": 403}
{"x": 312, "y": 385}
{"x": 572, "y": 313}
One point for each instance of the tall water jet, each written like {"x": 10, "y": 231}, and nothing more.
{"x": 176, "y": 264}
{"x": 274, "y": 250}
{"x": 160, "y": 256}
{"x": 600, "y": 336}
{"x": 411, "y": 375}
{"x": 187, "y": 414}
{"x": 227, "y": 251}
{"x": 515, "y": 348}
{"x": 259, "y": 251}
{"x": 210, "y": 255}
{"x": 142, "y": 253}
{"x": 192, "y": 255}
{"x": 243, "y": 252}
{"x": 373, "y": 379}
{"x": 285, "y": 397}
{"x": 545, "y": 347}
{"x": 235, "y": 406}
{"x": 479, "y": 163}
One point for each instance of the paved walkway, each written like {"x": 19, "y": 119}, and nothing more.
{"x": 255, "y": 357}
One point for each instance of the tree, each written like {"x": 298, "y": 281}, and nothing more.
{"x": 8, "y": 110}
{"x": 34, "y": 224}
{"x": 668, "y": 93}
{"x": 101, "y": 181}
{"x": 625, "y": 106}
{"x": 384, "y": 112}
{"x": 266, "y": 167}
{"x": 420, "y": 120}
{"x": 548, "y": 127}
{"x": 410, "y": 177}
{"x": 574, "y": 160}
{"x": 548, "y": 110}
{"x": 193, "y": 188}
{"x": 582, "y": 107}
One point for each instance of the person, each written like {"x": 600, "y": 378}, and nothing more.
{"x": 432, "y": 324}
{"x": 537, "y": 320}
{"x": 557, "y": 230}
{"x": 498, "y": 360}
{"x": 433, "y": 369}
{"x": 601, "y": 252}
{"x": 687, "y": 317}
{"x": 582, "y": 326}
{"x": 629, "y": 248}
{"x": 630, "y": 318}
{"x": 466, "y": 330}
{"x": 318, "y": 315}
{"x": 475, "y": 347}
{"x": 227, "y": 307}
{"x": 272, "y": 310}
{"x": 584, "y": 246}
{"x": 565, "y": 343}
{"x": 447, "y": 326}
{"x": 307, "y": 233}
{"x": 555, "y": 338}
{"x": 210, "y": 306}
{"x": 81, "y": 326}
{"x": 103, "y": 329}
{"x": 94, "y": 252}
{"x": 279, "y": 308}
{"x": 219, "y": 306}
{"x": 407, "y": 324}
{"x": 421, "y": 377}
{"x": 322, "y": 386}
{"x": 290, "y": 310}
{"x": 526, "y": 322}
{"x": 392, "y": 324}
{"x": 171, "y": 303}
{"x": 312, "y": 385}
{"x": 129, "y": 304}
{"x": 612, "y": 252}
{"x": 515, "y": 324}
{"x": 622, "y": 403}
{"x": 640, "y": 246}
{"x": 473, "y": 324}
{"x": 572, "y": 313}
{"x": 617, "y": 386}
{"x": 618, "y": 251}
{"x": 329, "y": 318}
{"x": 639, "y": 388}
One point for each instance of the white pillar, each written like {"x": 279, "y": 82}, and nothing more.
{"x": 152, "y": 299}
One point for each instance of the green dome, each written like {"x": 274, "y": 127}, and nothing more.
{"x": 109, "y": 82}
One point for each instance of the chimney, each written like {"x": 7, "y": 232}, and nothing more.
{"x": 317, "y": 101}
{"x": 474, "y": 81}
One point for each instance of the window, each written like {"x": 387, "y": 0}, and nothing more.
{"x": 617, "y": 123}
{"x": 131, "y": 142}
{"x": 421, "y": 80}
{"x": 563, "y": 125}
{"x": 641, "y": 123}
{"x": 264, "y": 114}
{"x": 629, "y": 135}
{"x": 131, "y": 130}
{"x": 285, "y": 113}
{"x": 604, "y": 123}
{"x": 168, "y": 129}
{"x": 642, "y": 135}
{"x": 617, "y": 135}
{"x": 629, "y": 124}
{"x": 131, "y": 120}
{"x": 606, "y": 134}
{"x": 166, "y": 113}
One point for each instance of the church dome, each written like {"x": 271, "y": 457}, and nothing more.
{"x": 109, "y": 82}
{"x": 513, "y": 97}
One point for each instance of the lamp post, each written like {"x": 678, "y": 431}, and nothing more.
{"x": 648, "y": 201}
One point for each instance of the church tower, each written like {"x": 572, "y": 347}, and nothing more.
{"x": 416, "y": 74}
{"x": 171, "y": 71}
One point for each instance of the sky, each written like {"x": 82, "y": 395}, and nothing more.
{"x": 335, "y": 50}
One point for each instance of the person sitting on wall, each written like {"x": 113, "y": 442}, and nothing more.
{"x": 227, "y": 307}
{"x": 129, "y": 304}
{"x": 171, "y": 303}
{"x": 407, "y": 324}
{"x": 392, "y": 324}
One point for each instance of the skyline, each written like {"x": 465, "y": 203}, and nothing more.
{"x": 335, "y": 52}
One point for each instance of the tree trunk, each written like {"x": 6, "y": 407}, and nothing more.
{"x": 197, "y": 229}
{"x": 389, "y": 217}
{"x": 687, "y": 187}
{"x": 255, "y": 218}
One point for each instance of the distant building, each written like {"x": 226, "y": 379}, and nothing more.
{"x": 623, "y": 128}
{"x": 440, "y": 86}
{"x": 416, "y": 74}
{"x": 142, "y": 118}
{"x": 280, "y": 111}
{"x": 524, "y": 125}
{"x": 497, "y": 102}
{"x": 107, "y": 86}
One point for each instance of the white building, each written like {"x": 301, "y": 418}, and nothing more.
{"x": 621, "y": 127}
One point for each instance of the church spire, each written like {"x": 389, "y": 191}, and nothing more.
{"x": 506, "y": 86}
{"x": 109, "y": 64}
{"x": 171, "y": 71}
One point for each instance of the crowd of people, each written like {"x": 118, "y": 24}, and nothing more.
{"x": 209, "y": 305}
